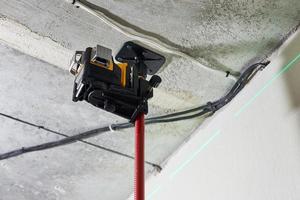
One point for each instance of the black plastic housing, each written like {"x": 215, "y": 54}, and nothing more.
{"x": 102, "y": 87}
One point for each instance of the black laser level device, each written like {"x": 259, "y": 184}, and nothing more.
{"x": 118, "y": 87}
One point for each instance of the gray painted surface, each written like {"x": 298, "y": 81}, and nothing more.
{"x": 220, "y": 34}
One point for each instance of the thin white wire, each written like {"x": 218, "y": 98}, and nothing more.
{"x": 148, "y": 40}
{"x": 110, "y": 128}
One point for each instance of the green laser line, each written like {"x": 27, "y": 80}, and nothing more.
{"x": 275, "y": 76}
{"x": 157, "y": 189}
{"x": 175, "y": 172}
{"x": 193, "y": 156}
{"x": 203, "y": 146}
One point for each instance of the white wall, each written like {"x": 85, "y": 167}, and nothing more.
{"x": 256, "y": 154}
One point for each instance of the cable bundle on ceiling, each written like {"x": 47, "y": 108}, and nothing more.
{"x": 209, "y": 108}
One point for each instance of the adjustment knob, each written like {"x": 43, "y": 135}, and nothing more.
{"x": 155, "y": 81}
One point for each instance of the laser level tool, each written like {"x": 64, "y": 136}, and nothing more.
{"x": 118, "y": 87}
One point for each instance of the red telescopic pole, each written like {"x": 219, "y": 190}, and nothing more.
{"x": 139, "y": 184}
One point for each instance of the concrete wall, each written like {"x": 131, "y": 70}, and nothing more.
{"x": 250, "y": 150}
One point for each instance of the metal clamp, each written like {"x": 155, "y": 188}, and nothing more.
{"x": 75, "y": 63}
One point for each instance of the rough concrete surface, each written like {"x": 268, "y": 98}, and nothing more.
{"x": 37, "y": 40}
{"x": 77, "y": 171}
{"x": 220, "y": 33}
{"x": 40, "y": 93}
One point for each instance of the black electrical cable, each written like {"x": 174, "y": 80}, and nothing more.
{"x": 230, "y": 94}
{"x": 48, "y": 145}
{"x": 178, "y": 113}
{"x": 158, "y": 168}
{"x": 210, "y": 107}
{"x": 156, "y": 121}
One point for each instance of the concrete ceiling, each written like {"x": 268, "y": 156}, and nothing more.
{"x": 39, "y": 37}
